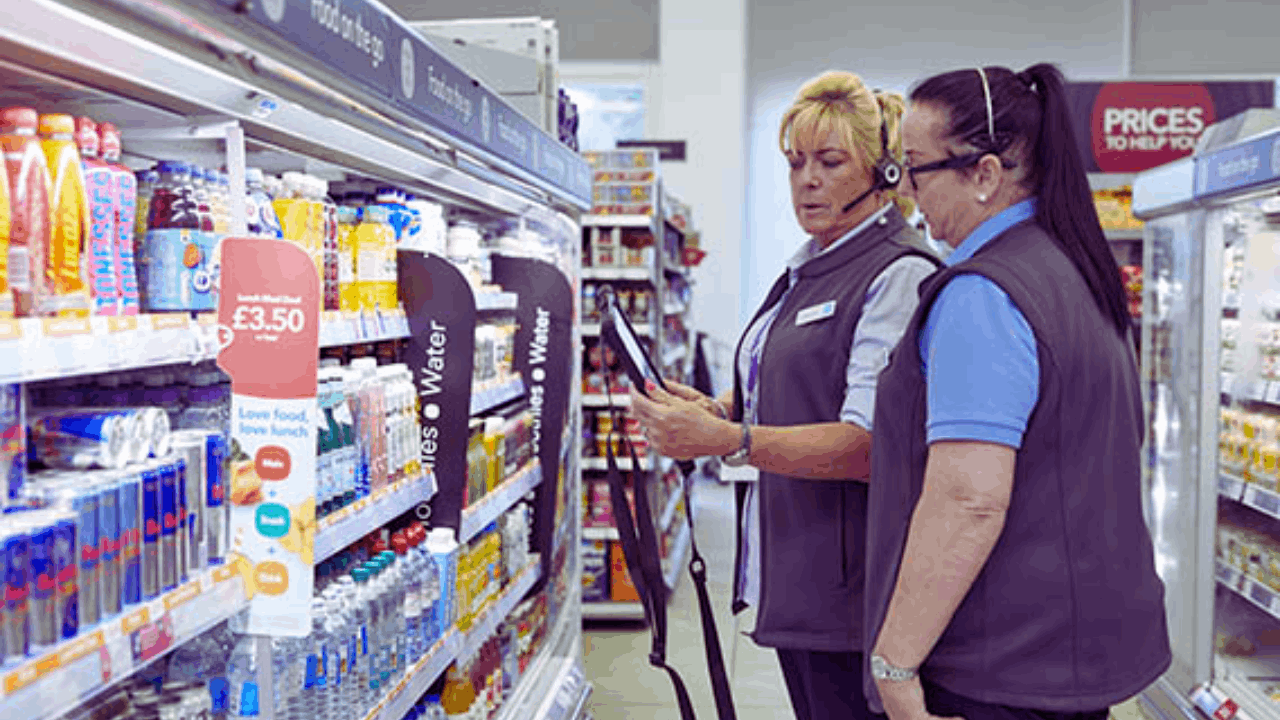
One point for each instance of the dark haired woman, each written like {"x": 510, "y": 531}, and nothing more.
{"x": 1009, "y": 570}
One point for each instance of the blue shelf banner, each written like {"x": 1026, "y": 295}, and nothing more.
{"x": 1238, "y": 166}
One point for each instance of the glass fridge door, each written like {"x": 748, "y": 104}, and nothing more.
{"x": 1246, "y": 637}
{"x": 1172, "y": 351}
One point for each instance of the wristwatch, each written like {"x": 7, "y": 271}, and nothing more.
{"x": 742, "y": 455}
{"x": 882, "y": 670}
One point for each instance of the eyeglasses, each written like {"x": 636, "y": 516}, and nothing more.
{"x": 953, "y": 163}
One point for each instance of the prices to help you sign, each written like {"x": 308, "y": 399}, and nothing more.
{"x": 268, "y": 323}
{"x": 1126, "y": 127}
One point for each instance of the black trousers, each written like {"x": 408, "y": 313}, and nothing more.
{"x": 945, "y": 703}
{"x": 828, "y": 685}
{"x": 825, "y": 685}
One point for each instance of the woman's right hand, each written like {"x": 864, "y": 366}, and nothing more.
{"x": 684, "y": 392}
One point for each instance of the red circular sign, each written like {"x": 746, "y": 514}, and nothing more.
{"x": 1137, "y": 126}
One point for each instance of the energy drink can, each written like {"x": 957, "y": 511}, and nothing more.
{"x": 152, "y": 518}
{"x": 131, "y": 526}
{"x": 71, "y": 495}
{"x": 169, "y": 514}
{"x": 217, "y": 520}
{"x": 13, "y": 443}
{"x": 191, "y": 448}
{"x": 80, "y": 440}
{"x": 15, "y": 549}
{"x": 53, "y": 611}
{"x": 109, "y": 544}
{"x": 158, "y": 430}
{"x": 183, "y": 539}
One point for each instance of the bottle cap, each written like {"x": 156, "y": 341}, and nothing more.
{"x": 360, "y": 575}
{"x": 57, "y": 124}
{"x": 18, "y": 118}
{"x": 87, "y": 136}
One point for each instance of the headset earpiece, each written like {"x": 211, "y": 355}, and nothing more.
{"x": 888, "y": 171}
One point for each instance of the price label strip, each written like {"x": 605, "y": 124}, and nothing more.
{"x": 1263, "y": 500}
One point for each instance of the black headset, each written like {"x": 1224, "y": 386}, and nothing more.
{"x": 887, "y": 172}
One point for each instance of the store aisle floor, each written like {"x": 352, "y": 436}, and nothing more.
{"x": 627, "y": 687}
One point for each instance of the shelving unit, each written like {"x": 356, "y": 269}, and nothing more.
{"x": 664, "y": 323}
{"x": 236, "y": 87}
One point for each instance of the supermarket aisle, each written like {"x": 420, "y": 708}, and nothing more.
{"x": 627, "y": 687}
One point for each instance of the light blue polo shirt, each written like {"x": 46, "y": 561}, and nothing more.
{"x": 980, "y": 360}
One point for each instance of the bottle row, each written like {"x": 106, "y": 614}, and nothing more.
{"x": 1249, "y": 446}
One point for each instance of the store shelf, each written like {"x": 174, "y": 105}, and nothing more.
{"x": 674, "y": 309}
{"x": 600, "y": 400}
{"x": 612, "y": 611}
{"x": 600, "y": 533}
{"x": 617, "y": 273}
{"x": 1124, "y": 235}
{"x": 396, "y": 704}
{"x": 493, "y": 393}
{"x": 1248, "y": 695}
{"x": 1261, "y": 499}
{"x": 353, "y": 522}
{"x": 567, "y": 696}
{"x": 678, "y": 270}
{"x": 592, "y": 329}
{"x": 78, "y": 669}
{"x": 679, "y": 554}
{"x": 33, "y": 349}
{"x": 1230, "y": 486}
{"x": 543, "y": 676}
{"x": 624, "y": 464}
{"x": 487, "y": 509}
{"x": 350, "y": 328}
{"x": 491, "y": 301}
{"x": 1246, "y": 587}
{"x": 487, "y": 620}
{"x": 1263, "y": 391}
{"x": 627, "y": 221}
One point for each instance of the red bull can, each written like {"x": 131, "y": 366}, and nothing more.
{"x": 192, "y": 449}
{"x": 131, "y": 527}
{"x": 109, "y": 545}
{"x": 152, "y": 519}
{"x": 71, "y": 495}
{"x": 183, "y": 539}
{"x": 79, "y": 440}
{"x": 53, "y": 610}
{"x": 217, "y": 518}
{"x": 15, "y": 551}
{"x": 169, "y": 515}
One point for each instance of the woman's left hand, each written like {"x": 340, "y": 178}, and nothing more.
{"x": 681, "y": 429}
{"x": 904, "y": 700}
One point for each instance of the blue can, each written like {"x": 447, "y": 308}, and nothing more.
{"x": 54, "y": 613}
{"x": 15, "y": 632}
{"x": 67, "y": 606}
{"x": 70, "y": 495}
{"x": 217, "y": 522}
{"x": 183, "y": 540}
{"x": 131, "y": 525}
{"x": 80, "y": 440}
{"x": 152, "y": 518}
{"x": 13, "y": 443}
{"x": 169, "y": 511}
{"x": 109, "y": 544}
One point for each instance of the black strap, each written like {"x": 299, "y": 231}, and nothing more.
{"x": 640, "y": 550}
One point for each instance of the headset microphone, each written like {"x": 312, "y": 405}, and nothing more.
{"x": 887, "y": 172}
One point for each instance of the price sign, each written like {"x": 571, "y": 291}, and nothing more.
{"x": 1273, "y": 392}
{"x": 268, "y": 323}
{"x": 1260, "y": 595}
{"x": 1263, "y": 500}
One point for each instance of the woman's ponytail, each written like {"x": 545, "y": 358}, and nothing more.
{"x": 1066, "y": 207}
{"x": 892, "y": 108}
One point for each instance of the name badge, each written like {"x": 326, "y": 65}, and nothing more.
{"x": 814, "y": 313}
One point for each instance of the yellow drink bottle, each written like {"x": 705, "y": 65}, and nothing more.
{"x": 69, "y": 216}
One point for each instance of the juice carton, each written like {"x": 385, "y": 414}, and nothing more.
{"x": 126, "y": 207}
{"x": 104, "y": 281}
{"x": 69, "y": 210}
{"x": 30, "y": 189}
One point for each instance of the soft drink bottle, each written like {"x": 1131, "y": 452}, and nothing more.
{"x": 30, "y": 191}
{"x": 126, "y": 205}
{"x": 242, "y": 680}
{"x": 70, "y": 216}
{"x": 99, "y": 180}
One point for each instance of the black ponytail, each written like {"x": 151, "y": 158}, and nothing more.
{"x": 1065, "y": 205}
{"x": 1033, "y": 126}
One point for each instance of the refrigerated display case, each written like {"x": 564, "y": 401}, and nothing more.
{"x": 1211, "y": 342}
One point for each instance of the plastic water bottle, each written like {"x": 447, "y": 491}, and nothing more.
{"x": 204, "y": 660}
{"x": 315, "y": 692}
{"x": 412, "y": 595}
{"x": 350, "y": 696}
{"x": 399, "y": 592}
{"x": 203, "y": 411}
{"x": 339, "y": 630}
{"x": 443, "y": 546}
{"x": 433, "y": 710}
{"x": 366, "y": 641}
{"x": 242, "y": 680}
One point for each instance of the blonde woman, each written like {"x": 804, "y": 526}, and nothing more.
{"x": 804, "y": 391}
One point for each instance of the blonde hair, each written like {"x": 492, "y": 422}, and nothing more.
{"x": 840, "y": 101}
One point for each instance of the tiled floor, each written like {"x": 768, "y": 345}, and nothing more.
{"x": 628, "y": 688}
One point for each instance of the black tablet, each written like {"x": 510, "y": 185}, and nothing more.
{"x": 618, "y": 333}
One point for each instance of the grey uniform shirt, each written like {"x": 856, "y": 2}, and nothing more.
{"x": 890, "y": 302}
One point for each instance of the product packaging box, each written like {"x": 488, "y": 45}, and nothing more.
{"x": 620, "y": 585}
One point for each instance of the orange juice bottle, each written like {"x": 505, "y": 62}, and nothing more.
{"x": 375, "y": 244}
{"x": 348, "y": 288}
{"x": 69, "y": 216}
{"x": 29, "y": 191}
